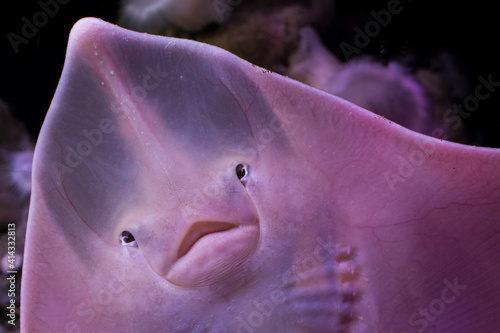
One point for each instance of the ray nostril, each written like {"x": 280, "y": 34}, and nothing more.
{"x": 242, "y": 171}
{"x": 127, "y": 239}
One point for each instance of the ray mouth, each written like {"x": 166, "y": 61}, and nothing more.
{"x": 198, "y": 231}
{"x": 211, "y": 252}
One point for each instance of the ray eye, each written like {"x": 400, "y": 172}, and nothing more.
{"x": 242, "y": 173}
{"x": 127, "y": 239}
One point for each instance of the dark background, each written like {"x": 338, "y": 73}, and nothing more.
{"x": 469, "y": 30}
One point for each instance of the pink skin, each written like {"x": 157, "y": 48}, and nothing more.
{"x": 344, "y": 219}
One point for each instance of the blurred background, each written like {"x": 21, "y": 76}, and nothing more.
{"x": 467, "y": 30}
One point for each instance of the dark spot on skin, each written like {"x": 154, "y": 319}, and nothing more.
{"x": 347, "y": 317}
{"x": 350, "y": 297}
{"x": 346, "y": 254}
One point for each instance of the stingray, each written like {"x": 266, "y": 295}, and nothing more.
{"x": 179, "y": 188}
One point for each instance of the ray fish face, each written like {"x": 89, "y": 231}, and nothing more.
{"x": 179, "y": 188}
